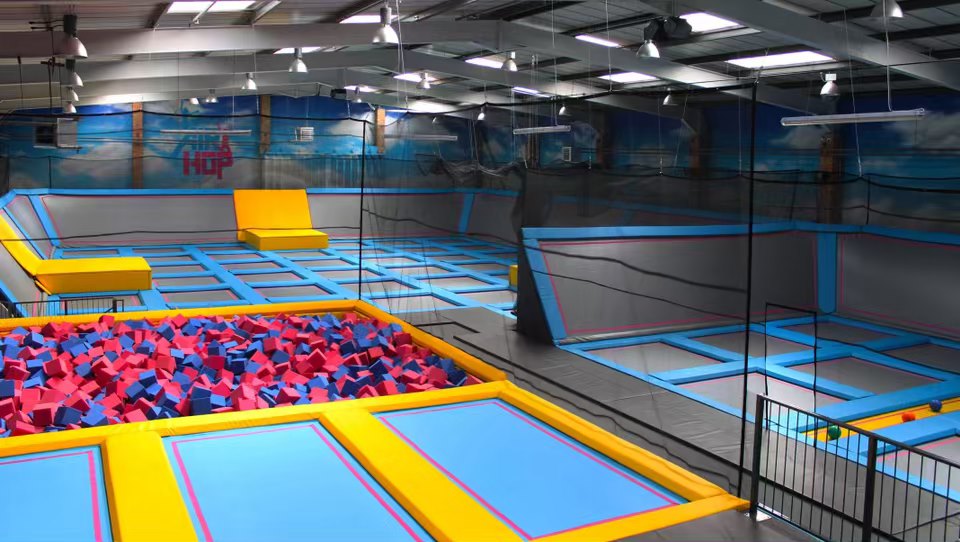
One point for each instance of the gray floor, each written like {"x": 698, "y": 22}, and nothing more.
{"x": 864, "y": 375}
{"x": 729, "y": 391}
{"x": 726, "y": 526}
{"x": 931, "y": 355}
{"x": 833, "y": 331}
{"x": 760, "y": 344}
{"x": 654, "y": 357}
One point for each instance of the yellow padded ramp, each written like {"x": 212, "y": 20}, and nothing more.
{"x": 514, "y": 275}
{"x": 145, "y": 500}
{"x": 271, "y": 210}
{"x": 286, "y": 239}
{"x": 80, "y": 275}
{"x": 445, "y": 511}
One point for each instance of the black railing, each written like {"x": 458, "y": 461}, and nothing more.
{"x": 61, "y": 307}
{"x": 840, "y": 482}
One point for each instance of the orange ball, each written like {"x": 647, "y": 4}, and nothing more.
{"x": 908, "y": 416}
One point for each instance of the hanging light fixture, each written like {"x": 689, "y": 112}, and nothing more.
{"x": 194, "y": 100}
{"x": 356, "y": 96}
{"x": 669, "y": 100}
{"x": 386, "y": 33}
{"x": 483, "y": 113}
{"x": 510, "y": 64}
{"x": 648, "y": 50}
{"x": 72, "y": 78}
{"x": 70, "y": 46}
{"x": 249, "y": 84}
{"x": 830, "y": 88}
{"x": 69, "y": 108}
{"x": 297, "y": 66}
{"x": 563, "y": 109}
{"x": 887, "y": 9}
{"x": 424, "y": 83}
{"x": 70, "y": 95}
{"x": 211, "y": 97}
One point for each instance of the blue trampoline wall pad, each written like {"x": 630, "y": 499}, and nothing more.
{"x": 288, "y": 482}
{"x": 545, "y": 482}
{"x": 54, "y": 496}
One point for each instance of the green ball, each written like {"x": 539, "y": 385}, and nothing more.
{"x": 833, "y": 432}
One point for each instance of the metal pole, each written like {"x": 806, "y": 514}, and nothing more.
{"x": 758, "y": 421}
{"x": 869, "y": 488}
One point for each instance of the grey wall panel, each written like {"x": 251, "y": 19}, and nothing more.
{"x": 17, "y": 281}
{"x": 683, "y": 282}
{"x": 492, "y": 216}
{"x": 127, "y": 220}
{"x": 387, "y": 215}
{"x": 899, "y": 282}
{"x": 21, "y": 209}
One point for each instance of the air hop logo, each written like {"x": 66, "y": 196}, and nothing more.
{"x": 210, "y": 158}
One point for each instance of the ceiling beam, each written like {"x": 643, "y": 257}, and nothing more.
{"x": 840, "y": 42}
{"x": 518, "y": 10}
{"x": 864, "y": 12}
{"x": 261, "y": 12}
{"x": 625, "y": 22}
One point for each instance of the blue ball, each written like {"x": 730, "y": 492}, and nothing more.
{"x": 936, "y": 405}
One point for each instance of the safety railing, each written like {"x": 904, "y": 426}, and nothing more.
{"x": 61, "y": 307}
{"x": 839, "y": 482}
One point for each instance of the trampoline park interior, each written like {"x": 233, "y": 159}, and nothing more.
{"x": 479, "y": 270}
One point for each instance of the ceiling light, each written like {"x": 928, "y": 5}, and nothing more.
{"x": 561, "y": 128}
{"x": 528, "y": 91}
{"x": 424, "y": 137}
{"x": 362, "y": 19}
{"x": 360, "y": 88}
{"x": 230, "y": 5}
{"x": 291, "y": 50}
{"x": 249, "y": 84}
{"x": 510, "y": 64}
{"x": 297, "y": 66}
{"x": 427, "y": 106}
{"x": 386, "y": 33}
{"x": 483, "y": 113}
{"x": 648, "y": 50}
{"x": 356, "y": 96}
{"x": 70, "y": 46}
{"x": 669, "y": 100}
{"x": 211, "y": 98}
{"x": 597, "y": 41}
{"x": 628, "y": 77}
{"x": 563, "y": 109}
{"x": 855, "y": 118}
{"x": 782, "y": 59}
{"x": 704, "y": 22}
{"x": 887, "y": 9}
{"x": 194, "y": 100}
{"x": 70, "y": 95}
{"x": 413, "y": 77}
{"x": 69, "y": 108}
{"x": 830, "y": 88}
{"x": 486, "y": 62}
{"x": 424, "y": 83}
{"x": 209, "y": 7}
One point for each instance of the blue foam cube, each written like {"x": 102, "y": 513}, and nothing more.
{"x": 66, "y": 415}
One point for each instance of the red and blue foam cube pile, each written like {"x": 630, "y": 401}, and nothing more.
{"x": 66, "y": 376}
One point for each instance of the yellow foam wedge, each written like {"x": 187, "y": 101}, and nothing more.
{"x": 286, "y": 239}
{"x": 83, "y": 275}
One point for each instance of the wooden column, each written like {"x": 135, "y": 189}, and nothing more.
{"x": 137, "y": 166}
{"x": 265, "y": 138}
{"x": 830, "y": 193}
{"x": 379, "y": 131}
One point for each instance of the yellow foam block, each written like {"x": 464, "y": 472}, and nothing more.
{"x": 285, "y": 239}
{"x": 514, "y": 275}
{"x": 145, "y": 500}
{"x": 82, "y": 275}
{"x": 445, "y": 511}
{"x": 271, "y": 210}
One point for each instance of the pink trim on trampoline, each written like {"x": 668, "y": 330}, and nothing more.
{"x": 196, "y": 504}
{"x": 498, "y": 513}
{"x": 94, "y": 492}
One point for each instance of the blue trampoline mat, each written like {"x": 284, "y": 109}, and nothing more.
{"x": 534, "y": 478}
{"x": 54, "y": 497}
{"x": 290, "y": 482}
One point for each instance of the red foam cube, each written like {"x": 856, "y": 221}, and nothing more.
{"x": 44, "y": 413}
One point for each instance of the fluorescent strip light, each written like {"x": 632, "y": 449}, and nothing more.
{"x": 424, "y": 137}
{"x": 628, "y": 77}
{"x": 361, "y": 88}
{"x": 783, "y": 59}
{"x": 855, "y": 118}
{"x": 289, "y": 50}
{"x": 188, "y": 7}
{"x": 372, "y": 18}
{"x": 220, "y": 6}
{"x": 704, "y": 22}
{"x": 205, "y": 132}
{"x": 230, "y": 5}
{"x": 597, "y": 41}
{"x": 558, "y": 129}
{"x": 414, "y": 77}
{"x": 529, "y": 91}
{"x": 486, "y": 62}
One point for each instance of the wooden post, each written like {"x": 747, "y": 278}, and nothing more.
{"x": 830, "y": 193}
{"x": 137, "y": 166}
{"x": 379, "y": 132}
{"x": 265, "y": 138}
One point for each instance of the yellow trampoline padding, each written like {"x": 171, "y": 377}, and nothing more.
{"x": 145, "y": 501}
{"x": 514, "y": 275}
{"x": 442, "y": 508}
{"x": 285, "y": 239}
{"x": 79, "y": 275}
{"x": 271, "y": 210}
